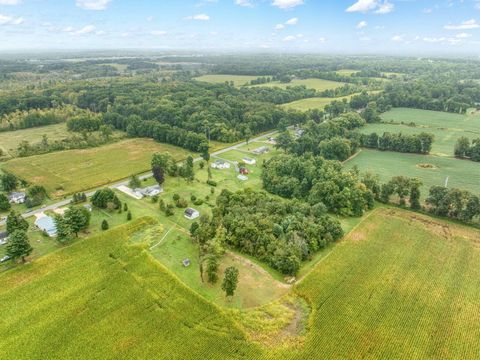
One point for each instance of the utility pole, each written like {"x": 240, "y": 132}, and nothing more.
{"x": 446, "y": 181}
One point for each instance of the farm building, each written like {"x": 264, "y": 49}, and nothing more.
{"x": 261, "y": 150}
{"x": 272, "y": 140}
{"x": 220, "y": 164}
{"x": 17, "y": 197}
{"x": 47, "y": 224}
{"x": 191, "y": 213}
{"x": 149, "y": 191}
{"x": 249, "y": 161}
{"x": 186, "y": 262}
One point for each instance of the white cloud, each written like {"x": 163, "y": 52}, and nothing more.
{"x": 150, "y": 18}
{"x": 466, "y": 25}
{"x": 289, "y": 38}
{"x": 200, "y": 17}
{"x": 398, "y": 38}
{"x": 434, "y": 39}
{"x": 9, "y": 20}
{"x": 10, "y": 2}
{"x": 246, "y": 3}
{"x": 158, "y": 32}
{"x": 85, "y": 30}
{"x": 100, "y": 33}
{"x": 92, "y": 4}
{"x": 463, "y": 35}
{"x": 287, "y": 4}
{"x": 292, "y": 21}
{"x": 364, "y": 6}
{"x": 322, "y": 40}
{"x": 279, "y": 27}
{"x": 361, "y": 24}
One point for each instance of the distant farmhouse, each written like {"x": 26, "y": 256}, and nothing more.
{"x": 47, "y": 224}
{"x": 191, "y": 213}
{"x": 17, "y": 197}
{"x": 220, "y": 164}
{"x": 261, "y": 150}
{"x": 149, "y": 191}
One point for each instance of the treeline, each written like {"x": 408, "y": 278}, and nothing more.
{"x": 453, "y": 203}
{"x": 405, "y": 143}
{"x": 466, "y": 150}
{"x": 319, "y": 182}
{"x": 282, "y": 233}
{"x": 18, "y": 120}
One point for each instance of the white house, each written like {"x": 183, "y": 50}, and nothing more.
{"x": 249, "y": 161}
{"x": 191, "y": 213}
{"x": 17, "y": 197}
{"x": 150, "y": 190}
{"x": 220, "y": 164}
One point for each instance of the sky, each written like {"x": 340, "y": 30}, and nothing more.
{"x": 448, "y": 27}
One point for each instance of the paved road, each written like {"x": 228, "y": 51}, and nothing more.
{"x": 125, "y": 182}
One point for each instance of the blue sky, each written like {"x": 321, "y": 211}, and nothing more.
{"x": 328, "y": 26}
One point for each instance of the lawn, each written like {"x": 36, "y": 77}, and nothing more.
{"x": 71, "y": 171}
{"x": 317, "y": 84}
{"x": 400, "y": 286}
{"x": 462, "y": 174}
{"x": 238, "y": 80}
{"x": 446, "y": 127}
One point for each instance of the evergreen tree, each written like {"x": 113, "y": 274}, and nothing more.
{"x": 4, "y": 203}
{"x": 77, "y": 218}
{"x": 129, "y": 216}
{"x": 16, "y": 222}
{"x": 105, "y": 225}
{"x": 18, "y": 245}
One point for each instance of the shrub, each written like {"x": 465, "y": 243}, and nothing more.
{"x": 212, "y": 182}
{"x": 181, "y": 203}
{"x": 105, "y": 225}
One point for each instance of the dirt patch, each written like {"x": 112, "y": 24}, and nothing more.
{"x": 426, "y": 166}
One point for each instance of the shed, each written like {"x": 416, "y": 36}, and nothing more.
{"x": 261, "y": 150}
{"x": 191, "y": 213}
{"x": 249, "y": 161}
{"x": 186, "y": 262}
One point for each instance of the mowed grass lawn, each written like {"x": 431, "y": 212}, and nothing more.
{"x": 446, "y": 127}
{"x": 71, "y": 171}
{"x": 238, "y": 80}
{"x": 400, "y": 286}
{"x": 104, "y": 299}
{"x": 462, "y": 174}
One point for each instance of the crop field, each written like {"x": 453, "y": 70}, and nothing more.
{"x": 238, "y": 80}
{"x": 312, "y": 103}
{"x": 103, "y": 299}
{"x": 347, "y": 72}
{"x": 71, "y": 171}
{"x": 462, "y": 174}
{"x": 400, "y": 286}
{"x": 446, "y": 127}
{"x": 317, "y": 84}
{"x": 10, "y": 140}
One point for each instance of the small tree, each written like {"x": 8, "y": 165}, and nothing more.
{"x": 105, "y": 225}
{"x": 77, "y": 218}
{"x": 129, "y": 216}
{"x": 230, "y": 281}
{"x": 18, "y": 245}
{"x": 64, "y": 231}
{"x": 9, "y": 182}
{"x": 125, "y": 207}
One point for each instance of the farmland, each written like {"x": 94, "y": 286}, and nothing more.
{"x": 462, "y": 174}
{"x": 389, "y": 285}
{"x": 70, "y": 171}
{"x": 238, "y": 80}
{"x": 317, "y": 84}
{"x": 312, "y": 103}
{"x": 446, "y": 127}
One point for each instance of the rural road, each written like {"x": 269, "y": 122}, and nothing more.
{"x": 65, "y": 202}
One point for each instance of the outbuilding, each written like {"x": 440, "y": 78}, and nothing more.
{"x": 191, "y": 213}
{"x": 220, "y": 164}
{"x": 249, "y": 161}
{"x": 17, "y": 197}
{"x": 47, "y": 225}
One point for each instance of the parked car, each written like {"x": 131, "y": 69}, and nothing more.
{"x": 5, "y": 258}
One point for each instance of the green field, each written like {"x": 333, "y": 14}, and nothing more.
{"x": 71, "y": 171}
{"x": 238, "y": 80}
{"x": 312, "y": 103}
{"x": 401, "y": 286}
{"x": 462, "y": 174}
{"x": 446, "y": 127}
{"x": 347, "y": 72}
{"x": 317, "y": 84}
{"x": 10, "y": 140}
